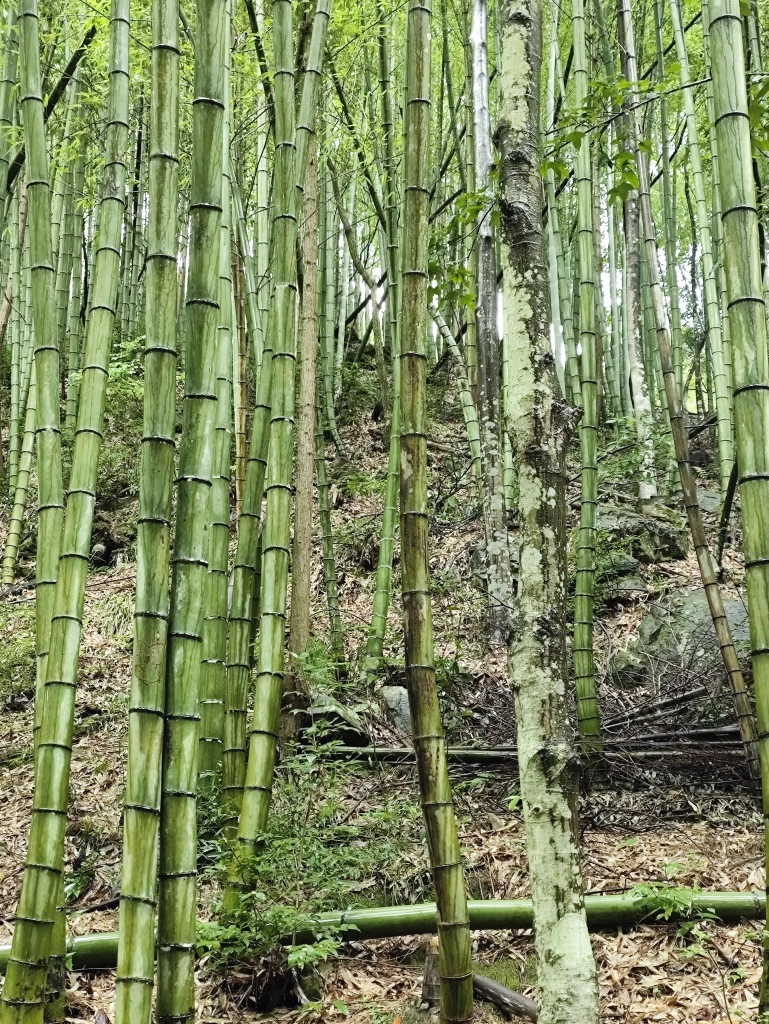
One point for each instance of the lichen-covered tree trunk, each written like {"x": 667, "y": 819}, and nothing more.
{"x": 540, "y": 426}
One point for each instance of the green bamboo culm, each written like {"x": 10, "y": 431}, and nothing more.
{"x": 141, "y": 809}
{"x": 67, "y": 237}
{"x": 429, "y": 743}
{"x": 247, "y": 563}
{"x": 16, "y": 521}
{"x": 189, "y": 565}
{"x": 276, "y": 539}
{"x": 253, "y": 321}
{"x": 327, "y": 541}
{"x": 42, "y": 281}
{"x": 384, "y": 572}
{"x": 213, "y": 672}
{"x": 588, "y": 719}
{"x": 291, "y": 151}
{"x": 668, "y": 208}
{"x": 710, "y": 290}
{"x": 17, "y": 398}
{"x": 41, "y": 927}
{"x": 42, "y": 888}
{"x": 469, "y": 413}
{"x": 98, "y": 950}
{"x": 7, "y": 84}
{"x": 74, "y": 321}
{"x": 750, "y": 360}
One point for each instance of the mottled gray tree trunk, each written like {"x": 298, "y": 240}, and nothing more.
{"x": 540, "y": 426}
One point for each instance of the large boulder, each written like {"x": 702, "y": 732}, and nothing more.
{"x": 677, "y": 632}
{"x": 659, "y": 535}
{"x": 618, "y": 577}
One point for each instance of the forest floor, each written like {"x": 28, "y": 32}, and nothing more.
{"x": 350, "y": 834}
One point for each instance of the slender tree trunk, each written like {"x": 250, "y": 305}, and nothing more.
{"x": 639, "y": 385}
{"x": 382, "y": 594}
{"x": 36, "y": 933}
{"x": 497, "y": 555}
{"x": 240, "y": 369}
{"x": 213, "y": 670}
{"x": 540, "y": 426}
{"x": 292, "y": 143}
{"x": 720, "y": 377}
{"x": 247, "y": 570}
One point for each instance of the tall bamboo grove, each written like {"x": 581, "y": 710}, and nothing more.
{"x": 429, "y": 743}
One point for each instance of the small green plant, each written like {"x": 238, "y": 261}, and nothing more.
{"x": 514, "y": 800}
{"x": 667, "y": 901}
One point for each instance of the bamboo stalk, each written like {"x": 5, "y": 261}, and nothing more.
{"x": 429, "y": 743}
{"x": 383, "y": 586}
{"x": 21, "y": 490}
{"x": 290, "y": 166}
{"x": 603, "y": 912}
{"x": 713, "y": 315}
{"x": 42, "y": 888}
{"x": 588, "y": 718}
{"x": 189, "y": 563}
{"x": 141, "y": 810}
{"x": 747, "y": 325}
{"x": 213, "y": 671}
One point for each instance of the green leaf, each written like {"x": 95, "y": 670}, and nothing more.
{"x": 341, "y": 1007}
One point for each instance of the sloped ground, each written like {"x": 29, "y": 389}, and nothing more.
{"x": 672, "y": 820}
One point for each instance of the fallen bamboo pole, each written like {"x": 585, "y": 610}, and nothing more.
{"x": 509, "y": 755}
{"x": 603, "y": 911}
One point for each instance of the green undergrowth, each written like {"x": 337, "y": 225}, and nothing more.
{"x": 513, "y": 974}
{"x": 335, "y": 840}
{"x": 17, "y": 654}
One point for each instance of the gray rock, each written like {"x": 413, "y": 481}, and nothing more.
{"x": 658, "y": 536}
{"x": 676, "y": 631}
{"x": 396, "y": 700}
{"x": 709, "y": 501}
{"x": 625, "y": 588}
{"x": 683, "y": 621}
{"x": 619, "y": 579}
